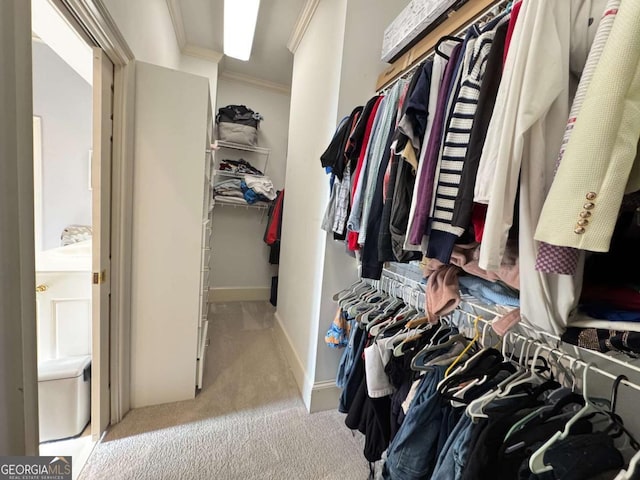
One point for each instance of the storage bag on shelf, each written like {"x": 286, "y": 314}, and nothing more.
{"x": 238, "y": 124}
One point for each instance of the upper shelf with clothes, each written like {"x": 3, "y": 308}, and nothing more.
{"x": 238, "y": 181}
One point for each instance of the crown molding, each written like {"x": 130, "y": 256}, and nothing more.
{"x": 299, "y": 29}
{"x": 202, "y": 53}
{"x": 104, "y": 31}
{"x": 187, "y": 48}
{"x": 178, "y": 22}
{"x": 257, "y": 82}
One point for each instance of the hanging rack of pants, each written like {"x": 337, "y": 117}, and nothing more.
{"x": 455, "y": 400}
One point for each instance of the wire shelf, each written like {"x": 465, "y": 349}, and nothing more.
{"x": 225, "y": 173}
{"x": 225, "y": 202}
{"x": 245, "y": 148}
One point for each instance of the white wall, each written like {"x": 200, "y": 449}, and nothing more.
{"x": 147, "y": 28}
{"x": 314, "y": 109}
{"x": 335, "y": 68}
{"x": 64, "y": 101}
{"x": 240, "y": 258}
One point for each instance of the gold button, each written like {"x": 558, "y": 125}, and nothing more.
{"x": 588, "y": 206}
{"x": 582, "y": 222}
{"x": 585, "y": 214}
{"x": 579, "y": 230}
{"x": 591, "y": 195}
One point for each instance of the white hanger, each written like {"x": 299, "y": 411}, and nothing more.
{"x": 483, "y": 339}
{"x": 532, "y": 377}
{"x": 536, "y": 462}
{"x": 629, "y": 473}
{"x": 508, "y": 385}
{"x": 357, "y": 296}
{"x": 349, "y": 290}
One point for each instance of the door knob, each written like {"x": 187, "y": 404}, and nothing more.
{"x": 42, "y": 288}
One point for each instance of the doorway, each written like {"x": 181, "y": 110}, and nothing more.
{"x": 73, "y": 111}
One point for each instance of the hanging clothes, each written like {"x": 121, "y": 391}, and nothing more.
{"x": 378, "y": 150}
{"x": 444, "y": 233}
{"x": 399, "y": 142}
{"x": 564, "y": 260}
{"x": 365, "y": 130}
{"x": 354, "y": 222}
{"x": 428, "y": 173}
{"x": 610, "y": 142}
{"x": 524, "y": 137}
{"x": 440, "y": 63}
{"x": 463, "y": 207}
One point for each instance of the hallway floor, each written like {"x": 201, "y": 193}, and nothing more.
{"x": 248, "y": 422}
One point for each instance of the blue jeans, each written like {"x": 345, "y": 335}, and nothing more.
{"x": 413, "y": 453}
{"x": 354, "y": 371}
{"x": 453, "y": 456}
{"x": 348, "y": 356}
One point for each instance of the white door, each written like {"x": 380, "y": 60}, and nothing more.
{"x": 101, "y": 184}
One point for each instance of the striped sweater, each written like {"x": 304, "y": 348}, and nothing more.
{"x": 443, "y": 234}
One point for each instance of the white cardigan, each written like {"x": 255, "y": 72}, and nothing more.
{"x": 551, "y": 39}
{"x": 599, "y": 161}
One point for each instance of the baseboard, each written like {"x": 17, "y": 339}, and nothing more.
{"x": 242, "y": 294}
{"x": 295, "y": 364}
{"x": 324, "y": 396}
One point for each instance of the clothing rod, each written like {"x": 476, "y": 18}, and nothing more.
{"x": 557, "y": 341}
{"x": 563, "y": 353}
{"x": 470, "y": 301}
{"x": 554, "y": 340}
{"x": 559, "y": 347}
{"x": 581, "y": 362}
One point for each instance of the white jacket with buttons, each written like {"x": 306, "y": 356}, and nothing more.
{"x": 599, "y": 164}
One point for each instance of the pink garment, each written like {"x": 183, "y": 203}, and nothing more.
{"x": 443, "y": 292}
{"x": 505, "y": 323}
{"x": 467, "y": 257}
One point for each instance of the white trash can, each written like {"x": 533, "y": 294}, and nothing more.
{"x": 64, "y": 390}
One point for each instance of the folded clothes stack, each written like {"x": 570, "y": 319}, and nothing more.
{"x": 251, "y": 190}
{"x": 239, "y": 166}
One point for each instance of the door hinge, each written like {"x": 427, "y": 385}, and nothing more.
{"x": 99, "y": 277}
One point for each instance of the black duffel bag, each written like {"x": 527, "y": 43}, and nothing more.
{"x": 238, "y": 124}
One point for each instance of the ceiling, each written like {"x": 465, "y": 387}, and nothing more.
{"x": 198, "y": 24}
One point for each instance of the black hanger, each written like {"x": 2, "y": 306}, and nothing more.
{"x": 421, "y": 339}
{"x": 617, "y": 428}
{"x": 442, "y": 40}
{"x": 486, "y": 363}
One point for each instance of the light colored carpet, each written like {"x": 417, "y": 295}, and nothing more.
{"x": 247, "y": 423}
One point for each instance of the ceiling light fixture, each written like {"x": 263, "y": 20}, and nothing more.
{"x": 240, "y": 17}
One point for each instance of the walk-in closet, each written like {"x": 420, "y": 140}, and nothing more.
{"x": 488, "y": 194}
{"x": 348, "y": 239}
